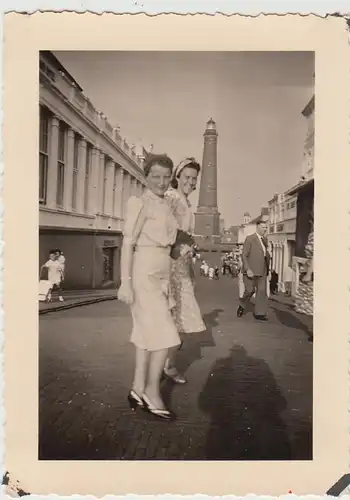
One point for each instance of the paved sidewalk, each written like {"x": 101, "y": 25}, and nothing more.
{"x": 248, "y": 397}
{"x": 75, "y": 298}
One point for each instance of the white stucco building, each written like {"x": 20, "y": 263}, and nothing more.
{"x": 281, "y": 236}
{"x": 289, "y": 216}
{"x": 304, "y": 192}
{"x": 87, "y": 171}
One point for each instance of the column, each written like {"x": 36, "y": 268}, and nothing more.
{"x": 101, "y": 182}
{"x": 133, "y": 191}
{"x": 52, "y": 164}
{"x": 108, "y": 208}
{"x": 279, "y": 263}
{"x": 118, "y": 195}
{"x": 81, "y": 176}
{"x": 93, "y": 182}
{"x": 273, "y": 256}
{"x": 68, "y": 173}
{"x": 126, "y": 190}
{"x": 283, "y": 263}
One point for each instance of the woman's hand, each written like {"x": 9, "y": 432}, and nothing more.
{"x": 185, "y": 250}
{"x": 125, "y": 293}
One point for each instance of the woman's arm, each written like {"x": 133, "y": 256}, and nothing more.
{"x": 126, "y": 261}
{"x": 132, "y": 228}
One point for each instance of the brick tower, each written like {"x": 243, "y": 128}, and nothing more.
{"x": 207, "y": 217}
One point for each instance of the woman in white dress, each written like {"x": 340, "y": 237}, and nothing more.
{"x": 149, "y": 232}
{"x": 186, "y": 312}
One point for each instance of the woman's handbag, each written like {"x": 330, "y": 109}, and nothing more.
{"x": 182, "y": 238}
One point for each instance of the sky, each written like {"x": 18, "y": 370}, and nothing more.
{"x": 166, "y": 98}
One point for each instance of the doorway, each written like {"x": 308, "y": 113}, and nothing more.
{"x": 108, "y": 263}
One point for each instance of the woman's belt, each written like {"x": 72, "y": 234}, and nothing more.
{"x": 136, "y": 247}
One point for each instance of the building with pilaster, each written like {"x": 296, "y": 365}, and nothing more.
{"x": 304, "y": 191}
{"x": 281, "y": 236}
{"x": 87, "y": 172}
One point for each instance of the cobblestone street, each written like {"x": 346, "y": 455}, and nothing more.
{"x": 249, "y": 395}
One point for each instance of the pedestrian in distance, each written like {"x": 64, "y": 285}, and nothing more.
{"x": 55, "y": 275}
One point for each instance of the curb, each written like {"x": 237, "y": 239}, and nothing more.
{"x": 86, "y": 302}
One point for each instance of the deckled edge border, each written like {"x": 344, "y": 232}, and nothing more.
{"x": 12, "y": 488}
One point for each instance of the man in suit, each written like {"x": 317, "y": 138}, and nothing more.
{"x": 256, "y": 262}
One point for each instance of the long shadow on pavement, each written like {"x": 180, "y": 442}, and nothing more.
{"x": 291, "y": 320}
{"x": 244, "y": 403}
{"x": 191, "y": 349}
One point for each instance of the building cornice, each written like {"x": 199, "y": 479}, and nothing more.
{"x": 51, "y": 58}
{"x": 300, "y": 186}
{"x": 136, "y": 170}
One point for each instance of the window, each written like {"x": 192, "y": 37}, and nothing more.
{"x": 87, "y": 176}
{"x": 43, "y": 153}
{"x": 62, "y": 132}
{"x": 75, "y": 171}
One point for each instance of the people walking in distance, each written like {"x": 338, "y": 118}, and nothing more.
{"x": 150, "y": 229}
{"x": 186, "y": 311}
{"x": 204, "y": 269}
{"x": 55, "y": 273}
{"x": 62, "y": 260}
{"x": 256, "y": 262}
{"x": 216, "y": 273}
{"x": 211, "y": 273}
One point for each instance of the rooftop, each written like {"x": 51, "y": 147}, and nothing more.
{"x": 55, "y": 74}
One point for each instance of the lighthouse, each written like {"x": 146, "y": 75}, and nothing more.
{"x": 207, "y": 217}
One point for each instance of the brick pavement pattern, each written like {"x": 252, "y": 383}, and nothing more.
{"x": 249, "y": 395}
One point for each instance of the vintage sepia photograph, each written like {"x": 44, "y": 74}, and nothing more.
{"x": 176, "y": 194}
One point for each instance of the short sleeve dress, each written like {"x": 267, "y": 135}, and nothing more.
{"x": 187, "y": 315}
{"x": 151, "y": 228}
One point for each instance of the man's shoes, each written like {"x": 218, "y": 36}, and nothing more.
{"x": 260, "y": 317}
{"x": 240, "y": 311}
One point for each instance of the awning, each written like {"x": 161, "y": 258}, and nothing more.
{"x": 300, "y": 186}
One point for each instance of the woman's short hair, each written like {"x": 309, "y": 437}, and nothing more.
{"x": 157, "y": 159}
{"x": 191, "y": 163}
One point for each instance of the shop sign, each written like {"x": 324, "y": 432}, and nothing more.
{"x": 109, "y": 243}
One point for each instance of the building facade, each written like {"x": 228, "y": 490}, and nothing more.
{"x": 304, "y": 192}
{"x": 281, "y": 237}
{"x": 87, "y": 172}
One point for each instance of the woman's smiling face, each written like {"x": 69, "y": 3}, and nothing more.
{"x": 158, "y": 179}
{"x": 188, "y": 180}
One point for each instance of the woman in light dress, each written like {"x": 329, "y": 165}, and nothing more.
{"x": 149, "y": 232}
{"x": 186, "y": 312}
